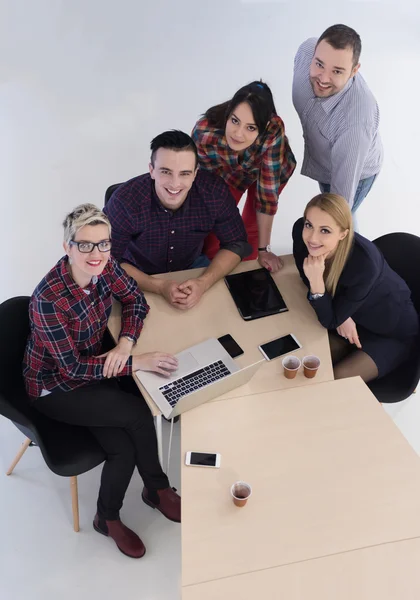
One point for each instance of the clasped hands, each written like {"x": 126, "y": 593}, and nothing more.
{"x": 183, "y": 295}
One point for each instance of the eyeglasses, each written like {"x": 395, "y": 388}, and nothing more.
{"x": 86, "y": 247}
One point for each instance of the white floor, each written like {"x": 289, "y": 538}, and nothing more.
{"x": 41, "y": 558}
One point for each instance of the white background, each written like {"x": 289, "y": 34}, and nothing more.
{"x": 85, "y": 85}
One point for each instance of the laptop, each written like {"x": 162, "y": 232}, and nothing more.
{"x": 205, "y": 371}
{"x": 255, "y": 294}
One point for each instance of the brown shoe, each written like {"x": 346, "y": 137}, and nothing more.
{"x": 127, "y": 541}
{"x": 169, "y": 503}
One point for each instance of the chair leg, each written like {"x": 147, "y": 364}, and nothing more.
{"x": 74, "y": 503}
{"x": 19, "y": 455}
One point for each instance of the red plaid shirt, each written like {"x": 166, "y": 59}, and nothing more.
{"x": 68, "y": 324}
{"x": 269, "y": 161}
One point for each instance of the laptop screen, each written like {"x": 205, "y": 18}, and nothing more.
{"x": 255, "y": 294}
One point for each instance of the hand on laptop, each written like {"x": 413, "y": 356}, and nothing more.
{"x": 158, "y": 362}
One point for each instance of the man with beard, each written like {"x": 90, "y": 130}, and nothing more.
{"x": 339, "y": 115}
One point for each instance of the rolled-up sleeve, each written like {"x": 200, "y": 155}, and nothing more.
{"x": 229, "y": 227}
{"x": 277, "y": 167}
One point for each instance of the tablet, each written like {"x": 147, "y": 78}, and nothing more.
{"x": 255, "y": 294}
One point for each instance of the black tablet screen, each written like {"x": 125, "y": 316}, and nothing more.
{"x": 255, "y": 294}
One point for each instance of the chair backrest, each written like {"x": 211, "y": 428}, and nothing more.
{"x": 14, "y": 331}
{"x": 402, "y": 253}
{"x": 110, "y": 191}
{"x": 68, "y": 450}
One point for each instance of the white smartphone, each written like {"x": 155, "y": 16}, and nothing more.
{"x": 202, "y": 459}
{"x": 284, "y": 345}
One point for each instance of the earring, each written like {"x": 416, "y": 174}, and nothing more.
{"x": 70, "y": 260}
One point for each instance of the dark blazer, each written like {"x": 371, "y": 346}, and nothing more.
{"x": 368, "y": 291}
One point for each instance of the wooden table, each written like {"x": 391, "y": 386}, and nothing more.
{"x": 384, "y": 572}
{"x": 171, "y": 330}
{"x": 330, "y": 473}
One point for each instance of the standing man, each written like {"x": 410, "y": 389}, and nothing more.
{"x": 339, "y": 115}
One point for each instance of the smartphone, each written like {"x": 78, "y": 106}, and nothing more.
{"x": 202, "y": 459}
{"x": 231, "y": 347}
{"x": 280, "y": 346}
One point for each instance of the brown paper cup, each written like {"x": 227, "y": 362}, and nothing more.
{"x": 240, "y": 491}
{"x": 291, "y": 365}
{"x": 310, "y": 366}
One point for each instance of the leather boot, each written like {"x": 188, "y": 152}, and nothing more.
{"x": 127, "y": 541}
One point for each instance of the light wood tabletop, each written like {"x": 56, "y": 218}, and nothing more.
{"x": 329, "y": 470}
{"x": 171, "y": 330}
{"x": 384, "y": 572}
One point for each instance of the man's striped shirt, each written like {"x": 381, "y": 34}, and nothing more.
{"x": 342, "y": 142}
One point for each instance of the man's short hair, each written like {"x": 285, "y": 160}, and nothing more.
{"x": 341, "y": 37}
{"x": 173, "y": 140}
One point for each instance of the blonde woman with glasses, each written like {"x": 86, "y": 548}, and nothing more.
{"x": 71, "y": 378}
{"x": 364, "y": 304}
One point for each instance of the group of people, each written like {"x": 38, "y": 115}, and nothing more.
{"x": 183, "y": 214}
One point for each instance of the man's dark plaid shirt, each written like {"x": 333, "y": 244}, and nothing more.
{"x": 157, "y": 240}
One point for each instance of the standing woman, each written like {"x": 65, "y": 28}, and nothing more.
{"x": 243, "y": 140}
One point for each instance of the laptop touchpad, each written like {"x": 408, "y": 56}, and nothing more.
{"x": 186, "y": 364}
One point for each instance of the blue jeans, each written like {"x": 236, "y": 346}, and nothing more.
{"x": 200, "y": 261}
{"x": 362, "y": 191}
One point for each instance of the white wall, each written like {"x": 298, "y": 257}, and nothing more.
{"x": 85, "y": 85}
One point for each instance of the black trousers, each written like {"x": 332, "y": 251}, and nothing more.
{"x": 123, "y": 425}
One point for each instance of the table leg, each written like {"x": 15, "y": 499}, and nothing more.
{"x": 170, "y": 446}
{"x": 158, "y": 425}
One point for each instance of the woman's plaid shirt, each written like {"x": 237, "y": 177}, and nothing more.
{"x": 269, "y": 161}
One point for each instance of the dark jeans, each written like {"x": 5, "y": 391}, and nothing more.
{"x": 123, "y": 425}
{"x": 200, "y": 261}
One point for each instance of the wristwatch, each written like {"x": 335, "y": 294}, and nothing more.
{"x": 265, "y": 248}
{"x": 315, "y": 296}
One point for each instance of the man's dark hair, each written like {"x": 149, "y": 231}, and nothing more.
{"x": 173, "y": 140}
{"x": 341, "y": 37}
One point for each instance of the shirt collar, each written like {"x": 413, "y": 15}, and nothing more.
{"x": 72, "y": 286}
{"x": 328, "y": 104}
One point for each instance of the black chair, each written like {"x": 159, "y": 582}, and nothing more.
{"x": 68, "y": 450}
{"x": 402, "y": 253}
{"x": 110, "y": 191}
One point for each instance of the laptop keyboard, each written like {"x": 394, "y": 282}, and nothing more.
{"x": 194, "y": 381}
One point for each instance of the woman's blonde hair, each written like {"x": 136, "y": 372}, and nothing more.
{"x": 84, "y": 214}
{"x": 339, "y": 210}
